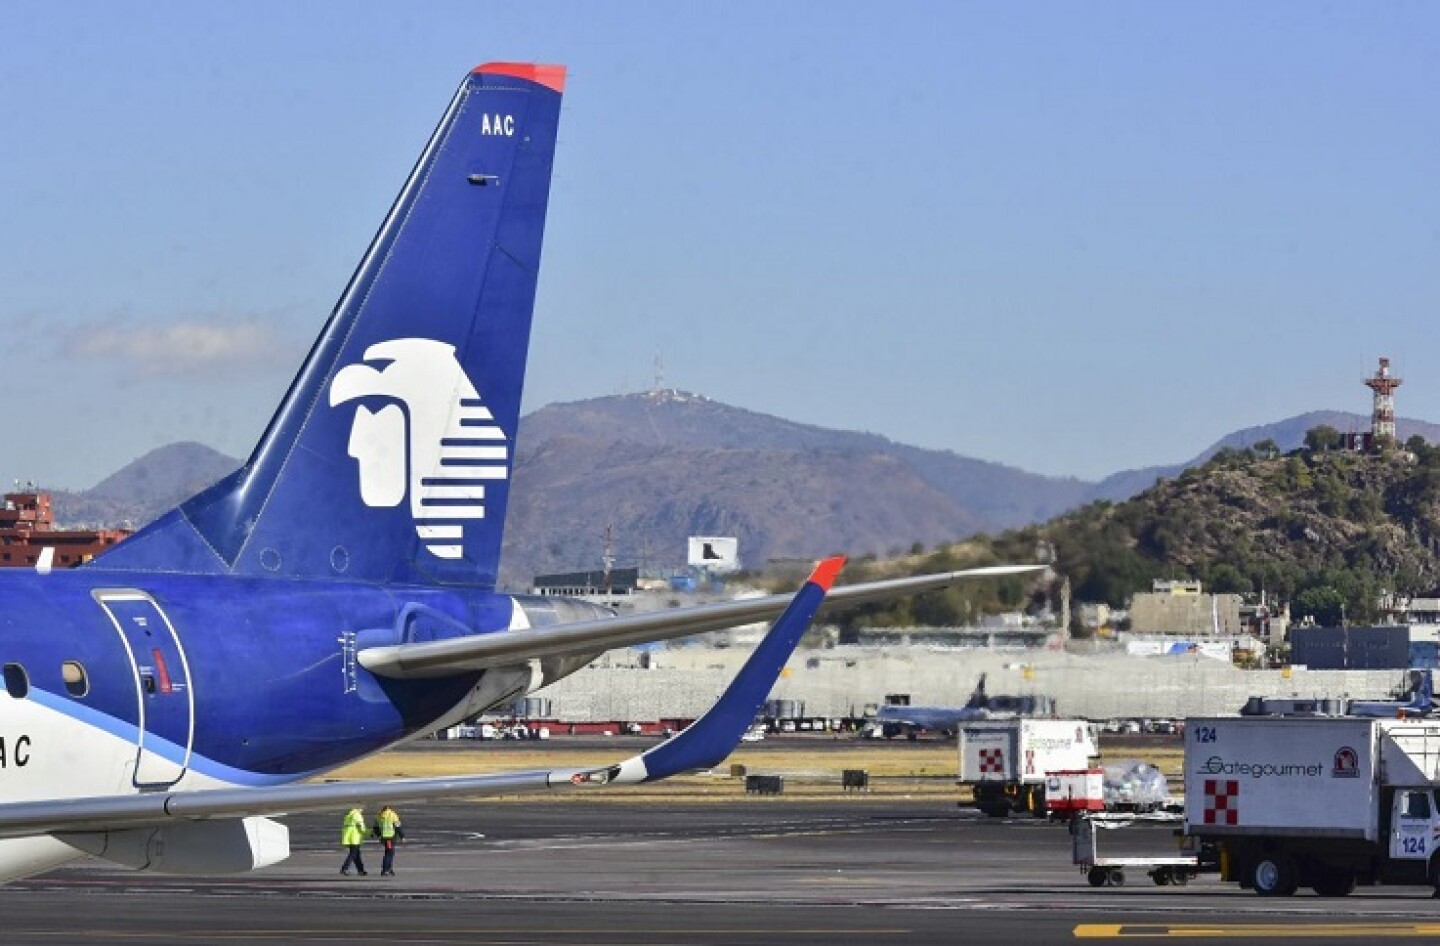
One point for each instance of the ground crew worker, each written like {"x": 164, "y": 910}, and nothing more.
{"x": 388, "y": 830}
{"x": 352, "y": 834}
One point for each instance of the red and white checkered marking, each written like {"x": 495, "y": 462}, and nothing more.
{"x": 1029, "y": 761}
{"x": 1222, "y": 801}
{"x": 992, "y": 761}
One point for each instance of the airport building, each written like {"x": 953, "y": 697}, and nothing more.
{"x": 617, "y": 582}
{"x": 1389, "y": 647}
{"x": 1404, "y": 609}
{"x": 27, "y": 527}
{"x": 1184, "y": 608}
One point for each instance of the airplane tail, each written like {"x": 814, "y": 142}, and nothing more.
{"x": 1424, "y": 699}
{"x": 978, "y": 698}
{"x": 390, "y": 457}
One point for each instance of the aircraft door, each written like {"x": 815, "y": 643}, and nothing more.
{"x": 166, "y": 714}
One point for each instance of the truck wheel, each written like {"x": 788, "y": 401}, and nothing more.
{"x": 1116, "y": 878}
{"x": 1037, "y": 803}
{"x": 1180, "y": 878}
{"x": 1275, "y": 876}
{"x": 1332, "y": 881}
{"x": 1097, "y": 876}
{"x": 1161, "y": 876}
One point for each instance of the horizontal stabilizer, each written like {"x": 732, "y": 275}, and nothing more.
{"x": 463, "y": 654}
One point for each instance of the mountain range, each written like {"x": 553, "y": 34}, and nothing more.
{"x": 642, "y": 472}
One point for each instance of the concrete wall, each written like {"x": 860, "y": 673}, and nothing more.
{"x": 1154, "y": 613}
{"x": 840, "y": 681}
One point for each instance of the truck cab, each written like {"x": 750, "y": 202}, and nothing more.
{"x": 1412, "y": 829}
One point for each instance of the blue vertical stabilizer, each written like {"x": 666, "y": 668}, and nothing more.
{"x": 390, "y": 457}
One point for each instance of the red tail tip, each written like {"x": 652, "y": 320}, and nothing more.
{"x": 825, "y": 572}
{"x": 552, "y": 77}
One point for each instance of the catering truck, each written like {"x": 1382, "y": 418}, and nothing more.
{"x": 1004, "y": 761}
{"x": 1322, "y": 802}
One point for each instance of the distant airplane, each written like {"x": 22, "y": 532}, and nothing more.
{"x": 1421, "y": 702}
{"x": 895, "y": 719}
{"x": 336, "y": 594}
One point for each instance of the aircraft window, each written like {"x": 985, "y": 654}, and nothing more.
{"x": 77, "y": 683}
{"x": 17, "y": 681}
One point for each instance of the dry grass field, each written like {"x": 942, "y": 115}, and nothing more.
{"x": 810, "y": 770}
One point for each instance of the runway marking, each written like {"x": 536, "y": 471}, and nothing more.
{"x": 530, "y": 935}
{"x": 1251, "y": 930}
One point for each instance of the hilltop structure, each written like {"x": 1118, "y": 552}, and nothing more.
{"x": 1382, "y": 416}
{"x": 1382, "y": 411}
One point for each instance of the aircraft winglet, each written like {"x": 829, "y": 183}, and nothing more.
{"x": 715, "y": 735}
{"x": 827, "y": 571}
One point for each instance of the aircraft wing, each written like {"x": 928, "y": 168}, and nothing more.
{"x": 447, "y": 657}
{"x": 704, "y": 744}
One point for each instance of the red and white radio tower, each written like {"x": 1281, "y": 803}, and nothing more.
{"x": 1382, "y": 418}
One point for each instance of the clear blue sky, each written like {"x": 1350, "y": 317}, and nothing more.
{"x": 1070, "y": 237}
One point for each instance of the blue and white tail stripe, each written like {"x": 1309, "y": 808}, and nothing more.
{"x": 473, "y": 452}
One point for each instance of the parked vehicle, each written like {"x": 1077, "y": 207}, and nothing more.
{"x": 1005, "y": 761}
{"x": 1109, "y": 871}
{"x": 1323, "y": 802}
{"x": 1072, "y": 792}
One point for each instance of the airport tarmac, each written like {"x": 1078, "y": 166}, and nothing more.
{"x": 748, "y": 870}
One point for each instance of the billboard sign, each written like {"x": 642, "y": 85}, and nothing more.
{"x": 718, "y": 554}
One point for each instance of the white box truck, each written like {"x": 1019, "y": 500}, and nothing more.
{"x": 1004, "y": 761}
{"x": 1324, "y": 802}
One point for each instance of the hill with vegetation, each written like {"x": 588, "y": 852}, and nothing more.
{"x": 144, "y": 488}
{"x": 1325, "y": 529}
{"x": 1287, "y": 435}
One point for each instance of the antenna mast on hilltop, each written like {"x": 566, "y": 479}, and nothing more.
{"x": 1382, "y": 417}
{"x": 607, "y": 558}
